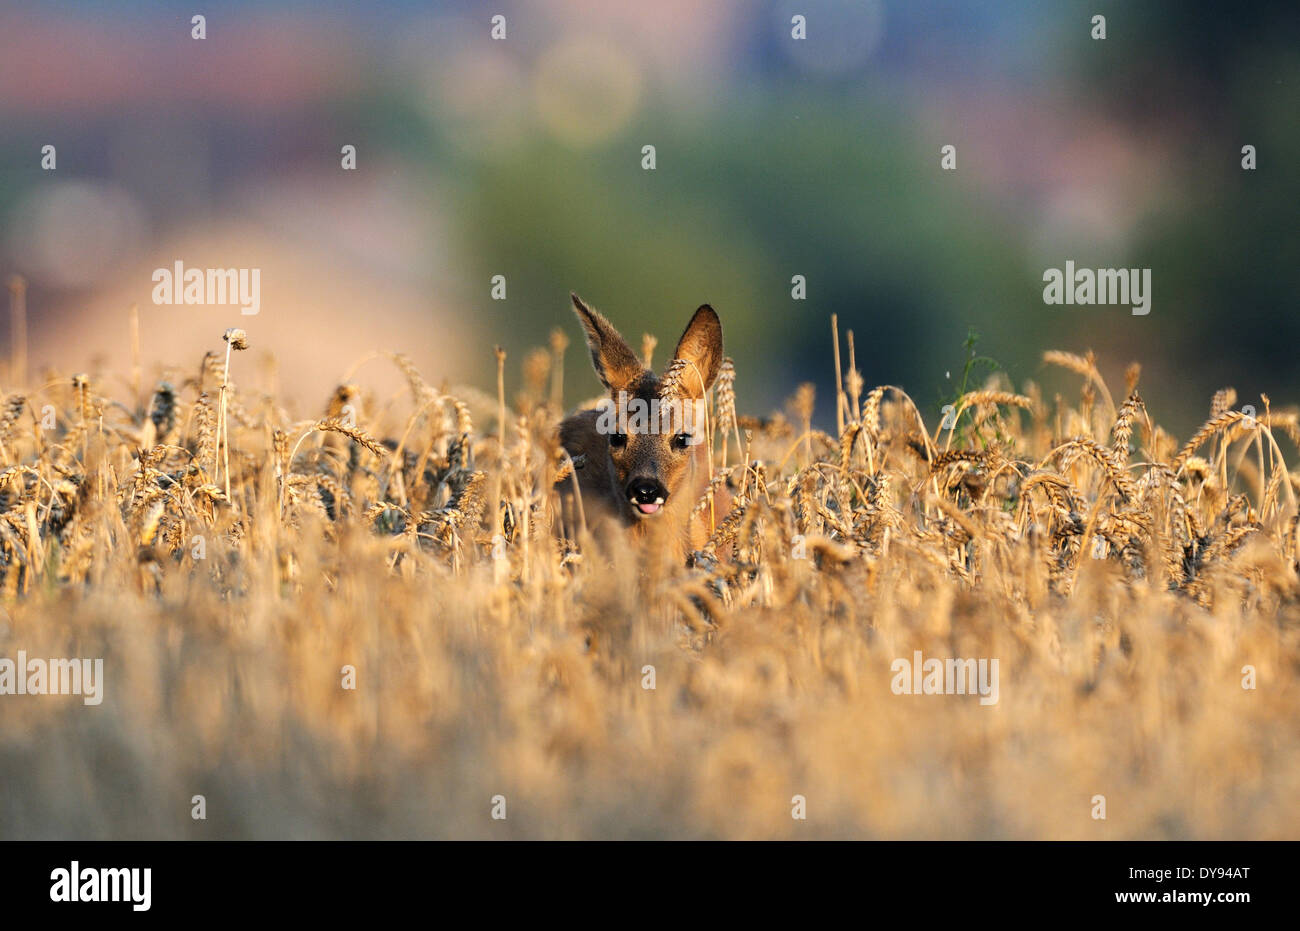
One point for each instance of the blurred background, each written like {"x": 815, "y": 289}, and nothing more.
{"x": 774, "y": 158}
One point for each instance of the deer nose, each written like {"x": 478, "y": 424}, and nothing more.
{"x": 646, "y": 494}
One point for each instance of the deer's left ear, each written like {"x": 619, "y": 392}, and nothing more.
{"x": 701, "y": 346}
{"x": 616, "y": 364}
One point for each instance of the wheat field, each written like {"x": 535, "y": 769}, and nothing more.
{"x": 231, "y": 558}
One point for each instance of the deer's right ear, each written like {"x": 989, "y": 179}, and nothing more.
{"x": 616, "y": 364}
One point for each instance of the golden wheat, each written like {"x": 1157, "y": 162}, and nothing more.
{"x": 1126, "y": 595}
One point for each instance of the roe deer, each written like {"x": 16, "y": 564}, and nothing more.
{"x": 645, "y": 473}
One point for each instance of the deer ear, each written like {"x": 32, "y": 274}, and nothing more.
{"x": 616, "y": 364}
{"x": 701, "y": 346}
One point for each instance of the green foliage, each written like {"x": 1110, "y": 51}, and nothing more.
{"x": 971, "y": 363}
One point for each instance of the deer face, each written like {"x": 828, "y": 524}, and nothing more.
{"x": 651, "y": 438}
{"x": 652, "y": 426}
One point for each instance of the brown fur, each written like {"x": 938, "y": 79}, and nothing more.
{"x": 607, "y": 470}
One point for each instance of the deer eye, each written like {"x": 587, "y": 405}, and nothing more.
{"x": 618, "y": 440}
{"x": 682, "y": 440}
